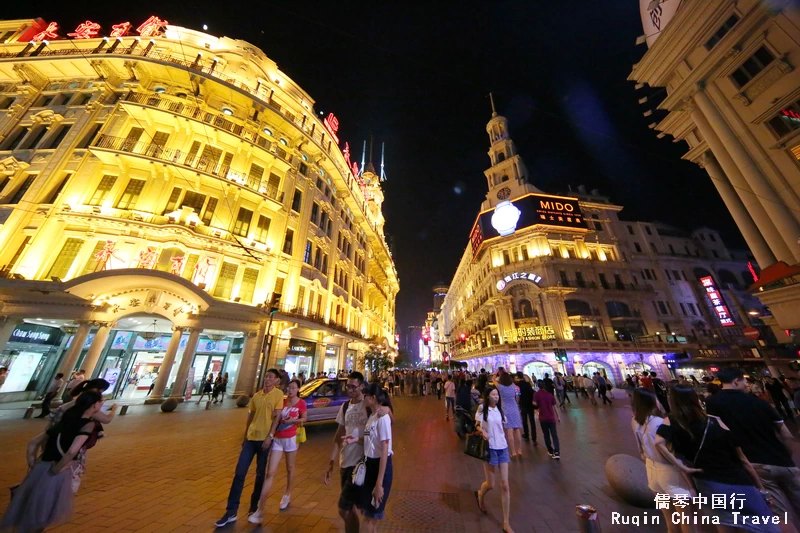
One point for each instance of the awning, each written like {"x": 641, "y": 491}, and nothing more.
{"x": 775, "y": 273}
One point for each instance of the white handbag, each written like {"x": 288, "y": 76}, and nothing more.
{"x": 359, "y": 473}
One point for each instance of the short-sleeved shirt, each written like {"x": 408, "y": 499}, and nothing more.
{"x": 450, "y": 389}
{"x": 547, "y": 405}
{"x": 753, "y": 422}
{"x": 261, "y": 407}
{"x": 377, "y": 430}
{"x": 493, "y": 426}
{"x": 355, "y": 420}
{"x": 588, "y": 383}
{"x": 61, "y": 436}
{"x": 295, "y": 412}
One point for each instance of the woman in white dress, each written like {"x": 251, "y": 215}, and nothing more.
{"x": 662, "y": 476}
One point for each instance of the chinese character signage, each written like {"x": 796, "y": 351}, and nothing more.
{"x": 717, "y": 302}
{"x": 528, "y": 276}
{"x": 152, "y": 27}
{"x": 332, "y": 125}
{"x": 534, "y": 210}
{"x": 530, "y": 333}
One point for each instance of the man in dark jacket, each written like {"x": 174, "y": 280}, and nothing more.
{"x": 483, "y": 379}
{"x": 526, "y": 408}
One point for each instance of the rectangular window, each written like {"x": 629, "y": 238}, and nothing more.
{"x": 279, "y": 285}
{"x": 506, "y": 258}
{"x": 692, "y": 309}
{"x": 524, "y": 253}
{"x": 603, "y": 281}
{"x": 301, "y": 294}
{"x": 262, "y": 229}
{"x": 18, "y": 253}
{"x": 630, "y": 230}
{"x": 208, "y": 214}
{"x": 21, "y": 190}
{"x": 297, "y": 200}
{"x": 667, "y": 273}
{"x": 274, "y": 185}
{"x": 579, "y": 279}
{"x": 711, "y": 236}
{"x": 722, "y": 32}
{"x": 242, "y": 225}
{"x": 91, "y": 264}
{"x": 255, "y": 176}
{"x": 647, "y": 229}
{"x": 638, "y": 248}
{"x": 90, "y": 135}
{"x": 564, "y": 280}
{"x": 676, "y": 275}
{"x": 248, "y": 288}
{"x": 194, "y": 200}
{"x": 15, "y": 138}
{"x": 65, "y": 258}
{"x": 131, "y": 194}
{"x": 318, "y": 259}
{"x": 325, "y": 264}
{"x": 671, "y": 249}
{"x": 683, "y": 308}
{"x": 662, "y": 308}
{"x": 227, "y": 275}
{"x": 56, "y": 138}
{"x": 653, "y": 248}
{"x": 34, "y": 138}
{"x": 190, "y": 157}
{"x": 307, "y": 254}
{"x": 752, "y": 66}
{"x": 105, "y": 186}
{"x": 618, "y": 281}
{"x": 80, "y": 98}
{"x": 188, "y": 268}
{"x": 314, "y": 212}
{"x": 287, "y": 242}
{"x": 172, "y": 203}
{"x": 54, "y": 195}
{"x": 131, "y": 139}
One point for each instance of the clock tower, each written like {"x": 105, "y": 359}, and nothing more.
{"x": 507, "y": 175}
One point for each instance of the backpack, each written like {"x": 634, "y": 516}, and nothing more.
{"x": 659, "y": 386}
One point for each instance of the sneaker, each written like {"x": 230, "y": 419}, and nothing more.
{"x": 252, "y": 511}
{"x": 285, "y": 502}
{"x": 552, "y": 455}
{"x": 557, "y": 455}
{"x": 225, "y": 520}
{"x": 255, "y": 518}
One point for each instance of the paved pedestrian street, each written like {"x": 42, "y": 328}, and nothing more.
{"x": 157, "y": 472}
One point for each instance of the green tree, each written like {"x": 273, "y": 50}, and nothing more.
{"x": 403, "y": 359}
{"x": 374, "y": 361}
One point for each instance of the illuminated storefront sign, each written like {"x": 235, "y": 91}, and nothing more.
{"x": 332, "y": 124}
{"x": 530, "y": 333}
{"x": 36, "y": 334}
{"x": 716, "y": 301}
{"x": 531, "y": 210}
{"x": 152, "y": 27}
{"x": 529, "y": 276}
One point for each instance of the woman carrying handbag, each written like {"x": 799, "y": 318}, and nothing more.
{"x": 490, "y": 421}
{"x": 718, "y": 465}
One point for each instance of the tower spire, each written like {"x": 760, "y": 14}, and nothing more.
{"x": 383, "y": 173}
{"x": 363, "y": 155}
{"x": 491, "y": 100}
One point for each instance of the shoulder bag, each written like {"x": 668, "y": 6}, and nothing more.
{"x": 359, "y": 473}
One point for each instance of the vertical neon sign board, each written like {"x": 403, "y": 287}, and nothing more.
{"x": 716, "y": 301}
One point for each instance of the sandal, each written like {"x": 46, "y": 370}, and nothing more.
{"x": 478, "y": 501}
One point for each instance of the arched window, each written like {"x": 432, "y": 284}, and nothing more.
{"x": 727, "y": 277}
{"x": 504, "y": 178}
{"x": 618, "y": 309}
{"x": 525, "y": 309}
{"x": 501, "y": 157}
{"x": 578, "y": 308}
{"x": 701, "y": 273}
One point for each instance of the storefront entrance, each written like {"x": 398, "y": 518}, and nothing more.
{"x": 538, "y": 369}
{"x": 31, "y": 355}
{"x": 300, "y": 357}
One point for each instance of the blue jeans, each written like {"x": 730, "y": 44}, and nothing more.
{"x": 250, "y": 449}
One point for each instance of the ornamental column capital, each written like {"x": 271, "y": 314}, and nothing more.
{"x": 180, "y": 328}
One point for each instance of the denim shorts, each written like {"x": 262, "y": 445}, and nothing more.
{"x": 498, "y": 457}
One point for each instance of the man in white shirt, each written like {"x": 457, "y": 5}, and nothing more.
{"x": 352, "y": 420}
{"x": 52, "y": 390}
{"x": 589, "y": 385}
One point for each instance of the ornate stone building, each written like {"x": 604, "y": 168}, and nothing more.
{"x": 159, "y": 189}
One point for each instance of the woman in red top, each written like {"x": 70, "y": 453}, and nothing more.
{"x": 293, "y": 414}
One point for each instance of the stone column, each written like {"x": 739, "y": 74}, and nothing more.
{"x": 157, "y": 396}
{"x": 96, "y": 348}
{"x": 752, "y": 236}
{"x": 786, "y": 229}
{"x": 246, "y": 379}
{"x": 186, "y": 362}
{"x": 67, "y": 364}
{"x": 540, "y": 310}
{"x": 8, "y": 328}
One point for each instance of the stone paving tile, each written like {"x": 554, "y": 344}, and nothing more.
{"x": 157, "y": 472}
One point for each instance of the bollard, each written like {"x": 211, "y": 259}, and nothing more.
{"x": 208, "y": 405}
{"x": 124, "y": 410}
{"x": 28, "y": 412}
{"x": 587, "y": 519}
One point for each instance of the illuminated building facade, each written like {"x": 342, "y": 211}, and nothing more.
{"x": 544, "y": 273}
{"x": 159, "y": 189}
{"x": 728, "y": 68}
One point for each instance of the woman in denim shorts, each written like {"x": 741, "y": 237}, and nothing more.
{"x": 489, "y": 420}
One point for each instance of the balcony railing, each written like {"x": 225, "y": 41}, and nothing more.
{"x": 207, "y": 165}
{"x": 299, "y": 312}
{"x": 206, "y": 117}
{"x": 577, "y": 345}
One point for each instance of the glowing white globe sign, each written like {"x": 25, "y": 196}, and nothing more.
{"x": 505, "y": 218}
{"x": 501, "y": 285}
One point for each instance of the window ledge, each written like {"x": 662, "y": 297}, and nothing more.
{"x": 764, "y": 80}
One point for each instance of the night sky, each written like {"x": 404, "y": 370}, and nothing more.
{"x": 417, "y": 78}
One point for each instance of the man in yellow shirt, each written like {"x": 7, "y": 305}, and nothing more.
{"x": 263, "y": 416}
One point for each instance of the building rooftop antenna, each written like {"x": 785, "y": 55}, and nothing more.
{"x": 363, "y": 155}
{"x": 383, "y": 151}
{"x": 491, "y": 100}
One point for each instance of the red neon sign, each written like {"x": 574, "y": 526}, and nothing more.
{"x": 121, "y": 29}
{"x": 717, "y": 302}
{"x": 752, "y": 271}
{"x": 50, "y": 32}
{"x": 151, "y": 27}
{"x": 85, "y": 30}
{"x": 332, "y": 124}
{"x": 791, "y": 113}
